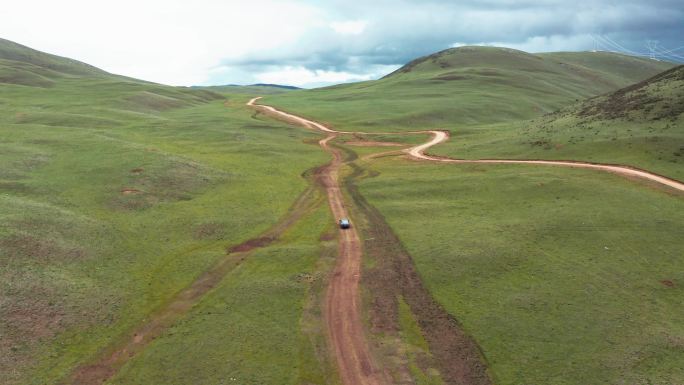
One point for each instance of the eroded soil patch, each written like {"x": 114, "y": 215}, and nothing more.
{"x": 455, "y": 353}
{"x": 130, "y": 191}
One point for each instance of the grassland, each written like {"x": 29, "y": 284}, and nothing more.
{"x": 561, "y": 276}
{"x": 114, "y": 195}
{"x": 466, "y": 86}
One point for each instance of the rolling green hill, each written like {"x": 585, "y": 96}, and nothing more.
{"x": 469, "y": 85}
{"x": 33, "y": 59}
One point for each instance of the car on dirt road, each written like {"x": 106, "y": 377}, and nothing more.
{"x": 344, "y": 223}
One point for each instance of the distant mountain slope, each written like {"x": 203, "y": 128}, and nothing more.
{"x": 641, "y": 125}
{"x": 23, "y": 65}
{"x": 253, "y": 89}
{"x": 276, "y": 86}
{"x": 74, "y": 85}
{"x": 471, "y": 85}
{"x": 612, "y": 70}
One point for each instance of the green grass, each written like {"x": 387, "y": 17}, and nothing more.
{"x": 416, "y": 346}
{"x": 468, "y": 85}
{"x": 80, "y": 261}
{"x": 248, "y": 330}
{"x": 560, "y": 275}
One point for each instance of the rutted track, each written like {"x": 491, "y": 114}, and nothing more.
{"x": 342, "y": 310}
{"x": 344, "y": 322}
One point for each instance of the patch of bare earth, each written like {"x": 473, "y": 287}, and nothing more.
{"x": 130, "y": 191}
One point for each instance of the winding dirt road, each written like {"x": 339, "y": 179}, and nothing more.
{"x": 343, "y": 318}
{"x": 418, "y": 152}
{"x": 342, "y": 309}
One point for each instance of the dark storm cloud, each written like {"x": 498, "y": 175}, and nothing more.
{"x": 399, "y": 31}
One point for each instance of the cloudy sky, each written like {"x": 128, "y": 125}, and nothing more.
{"x": 311, "y": 43}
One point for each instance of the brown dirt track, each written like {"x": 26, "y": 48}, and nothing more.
{"x": 418, "y": 152}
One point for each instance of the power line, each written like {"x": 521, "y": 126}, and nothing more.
{"x": 674, "y": 50}
{"x": 652, "y": 45}
{"x": 665, "y": 53}
{"x": 623, "y": 48}
{"x": 655, "y": 50}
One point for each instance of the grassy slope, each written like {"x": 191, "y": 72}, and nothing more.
{"x": 50, "y": 65}
{"x": 80, "y": 261}
{"x": 641, "y": 125}
{"x": 469, "y": 85}
{"x": 562, "y": 276}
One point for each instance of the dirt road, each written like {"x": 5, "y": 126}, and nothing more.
{"x": 342, "y": 308}
{"x": 418, "y": 152}
{"x": 441, "y": 136}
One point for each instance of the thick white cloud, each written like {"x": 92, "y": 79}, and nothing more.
{"x": 543, "y": 43}
{"x": 301, "y": 76}
{"x": 354, "y": 27}
{"x": 167, "y": 41}
{"x": 314, "y": 42}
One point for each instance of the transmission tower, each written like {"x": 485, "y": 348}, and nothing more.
{"x": 652, "y": 46}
